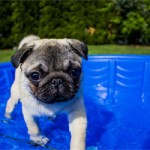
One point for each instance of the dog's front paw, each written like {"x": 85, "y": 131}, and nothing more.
{"x": 8, "y": 115}
{"x": 39, "y": 139}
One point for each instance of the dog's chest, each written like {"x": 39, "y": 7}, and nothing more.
{"x": 38, "y": 108}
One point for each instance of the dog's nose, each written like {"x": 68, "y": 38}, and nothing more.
{"x": 57, "y": 82}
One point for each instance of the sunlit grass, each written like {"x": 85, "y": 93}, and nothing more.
{"x": 118, "y": 49}
{"x": 5, "y": 55}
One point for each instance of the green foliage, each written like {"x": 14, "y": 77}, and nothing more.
{"x": 92, "y": 21}
{"x": 5, "y": 23}
{"x": 24, "y": 18}
{"x": 135, "y": 25}
{"x": 135, "y": 22}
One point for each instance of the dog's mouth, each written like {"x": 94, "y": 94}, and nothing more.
{"x": 56, "y": 95}
{"x": 56, "y": 99}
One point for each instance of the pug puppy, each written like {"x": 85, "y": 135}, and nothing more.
{"x": 49, "y": 81}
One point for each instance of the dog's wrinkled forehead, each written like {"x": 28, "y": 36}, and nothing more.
{"x": 51, "y": 51}
{"x": 53, "y": 55}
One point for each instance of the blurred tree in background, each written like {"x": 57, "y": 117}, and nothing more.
{"x": 92, "y": 21}
{"x": 5, "y": 23}
{"x": 25, "y": 19}
{"x": 135, "y": 21}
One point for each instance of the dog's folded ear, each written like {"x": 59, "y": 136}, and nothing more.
{"x": 21, "y": 55}
{"x": 79, "y": 47}
{"x": 23, "y": 50}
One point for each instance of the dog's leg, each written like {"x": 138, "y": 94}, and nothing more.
{"x": 13, "y": 100}
{"x": 33, "y": 129}
{"x": 77, "y": 127}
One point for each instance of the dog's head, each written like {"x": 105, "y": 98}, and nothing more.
{"x": 53, "y": 67}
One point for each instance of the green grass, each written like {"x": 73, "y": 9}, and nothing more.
{"x": 5, "y": 55}
{"x": 118, "y": 49}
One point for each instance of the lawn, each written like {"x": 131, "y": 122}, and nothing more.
{"x": 5, "y": 55}
{"x": 118, "y": 49}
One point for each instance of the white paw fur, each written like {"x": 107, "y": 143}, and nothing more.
{"x": 39, "y": 139}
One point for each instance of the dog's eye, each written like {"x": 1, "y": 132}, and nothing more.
{"x": 35, "y": 76}
{"x": 75, "y": 72}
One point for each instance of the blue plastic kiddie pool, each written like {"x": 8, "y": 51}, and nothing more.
{"x": 117, "y": 99}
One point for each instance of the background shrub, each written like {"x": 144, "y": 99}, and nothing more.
{"x": 93, "y": 21}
